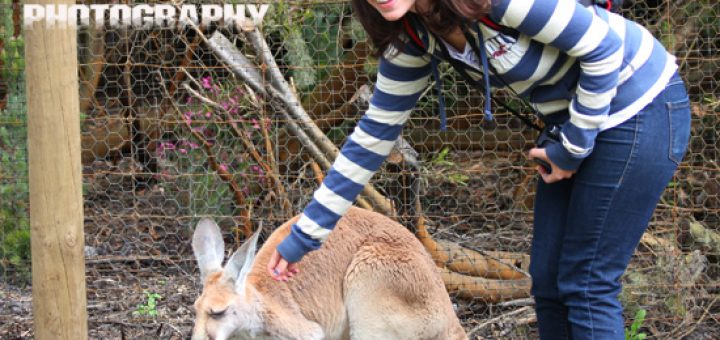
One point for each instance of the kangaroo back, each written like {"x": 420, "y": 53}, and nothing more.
{"x": 372, "y": 279}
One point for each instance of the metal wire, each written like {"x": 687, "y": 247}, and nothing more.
{"x": 170, "y": 134}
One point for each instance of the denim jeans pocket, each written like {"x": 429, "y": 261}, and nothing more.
{"x": 679, "y": 118}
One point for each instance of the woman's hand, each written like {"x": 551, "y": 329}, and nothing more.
{"x": 280, "y": 269}
{"x": 557, "y": 173}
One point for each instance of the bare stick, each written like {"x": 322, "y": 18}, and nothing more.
{"x": 695, "y": 323}
{"x": 497, "y": 319}
{"x": 463, "y": 260}
{"x": 517, "y": 303}
{"x": 491, "y": 291}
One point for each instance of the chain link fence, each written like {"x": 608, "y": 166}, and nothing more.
{"x": 176, "y": 126}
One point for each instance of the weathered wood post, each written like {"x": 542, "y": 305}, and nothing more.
{"x": 55, "y": 173}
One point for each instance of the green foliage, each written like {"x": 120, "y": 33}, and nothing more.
{"x": 149, "y": 307}
{"x": 12, "y": 55}
{"x": 16, "y": 251}
{"x": 444, "y": 168}
{"x": 633, "y": 333}
{"x": 459, "y": 179}
{"x": 667, "y": 38}
{"x": 648, "y": 288}
{"x": 14, "y": 223}
{"x": 310, "y": 38}
{"x": 442, "y": 158}
{"x": 299, "y": 58}
{"x": 712, "y": 102}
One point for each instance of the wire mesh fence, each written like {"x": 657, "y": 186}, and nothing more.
{"x": 14, "y": 200}
{"x": 182, "y": 123}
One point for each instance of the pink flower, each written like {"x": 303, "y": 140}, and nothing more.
{"x": 208, "y": 114}
{"x": 255, "y": 124}
{"x": 191, "y": 144}
{"x": 160, "y": 151}
{"x": 256, "y": 168}
{"x": 183, "y": 151}
{"x": 207, "y": 83}
{"x": 223, "y": 167}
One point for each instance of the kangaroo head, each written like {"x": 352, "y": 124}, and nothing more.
{"x": 227, "y": 308}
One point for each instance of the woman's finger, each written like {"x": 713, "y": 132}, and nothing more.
{"x": 274, "y": 259}
{"x": 280, "y": 271}
{"x": 277, "y": 267}
{"x": 293, "y": 268}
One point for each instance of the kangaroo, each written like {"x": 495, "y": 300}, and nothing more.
{"x": 372, "y": 279}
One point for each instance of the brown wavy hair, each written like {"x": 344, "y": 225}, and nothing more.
{"x": 436, "y": 16}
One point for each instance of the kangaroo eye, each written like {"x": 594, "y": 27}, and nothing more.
{"x": 217, "y": 314}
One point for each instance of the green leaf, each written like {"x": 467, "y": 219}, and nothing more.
{"x": 640, "y": 316}
{"x": 441, "y": 157}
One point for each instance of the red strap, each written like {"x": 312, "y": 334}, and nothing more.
{"x": 485, "y": 20}
{"x": 411, "y": 32}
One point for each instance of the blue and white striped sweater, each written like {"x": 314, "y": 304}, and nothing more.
{"x": 589, "y": 69}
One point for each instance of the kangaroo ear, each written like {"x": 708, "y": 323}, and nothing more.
{"x": 240, "y": 263}
{"x": 208, "y": 247}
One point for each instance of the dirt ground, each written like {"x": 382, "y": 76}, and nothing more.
{"x": 134, "y": 247}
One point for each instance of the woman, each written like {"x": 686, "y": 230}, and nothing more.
{"x": 613, "y": 90}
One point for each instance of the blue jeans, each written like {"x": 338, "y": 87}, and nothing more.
{"x": 587, "y": 227}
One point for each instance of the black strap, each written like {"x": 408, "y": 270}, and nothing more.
{"x": 461, "y": 68}
{"x": 525, "y": 118}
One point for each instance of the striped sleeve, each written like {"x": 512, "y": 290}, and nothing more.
{"x": 401, "y": 80}
{"x": 579, "y": 32}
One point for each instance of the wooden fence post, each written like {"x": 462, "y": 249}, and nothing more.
{"x": 55, "y": 174}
